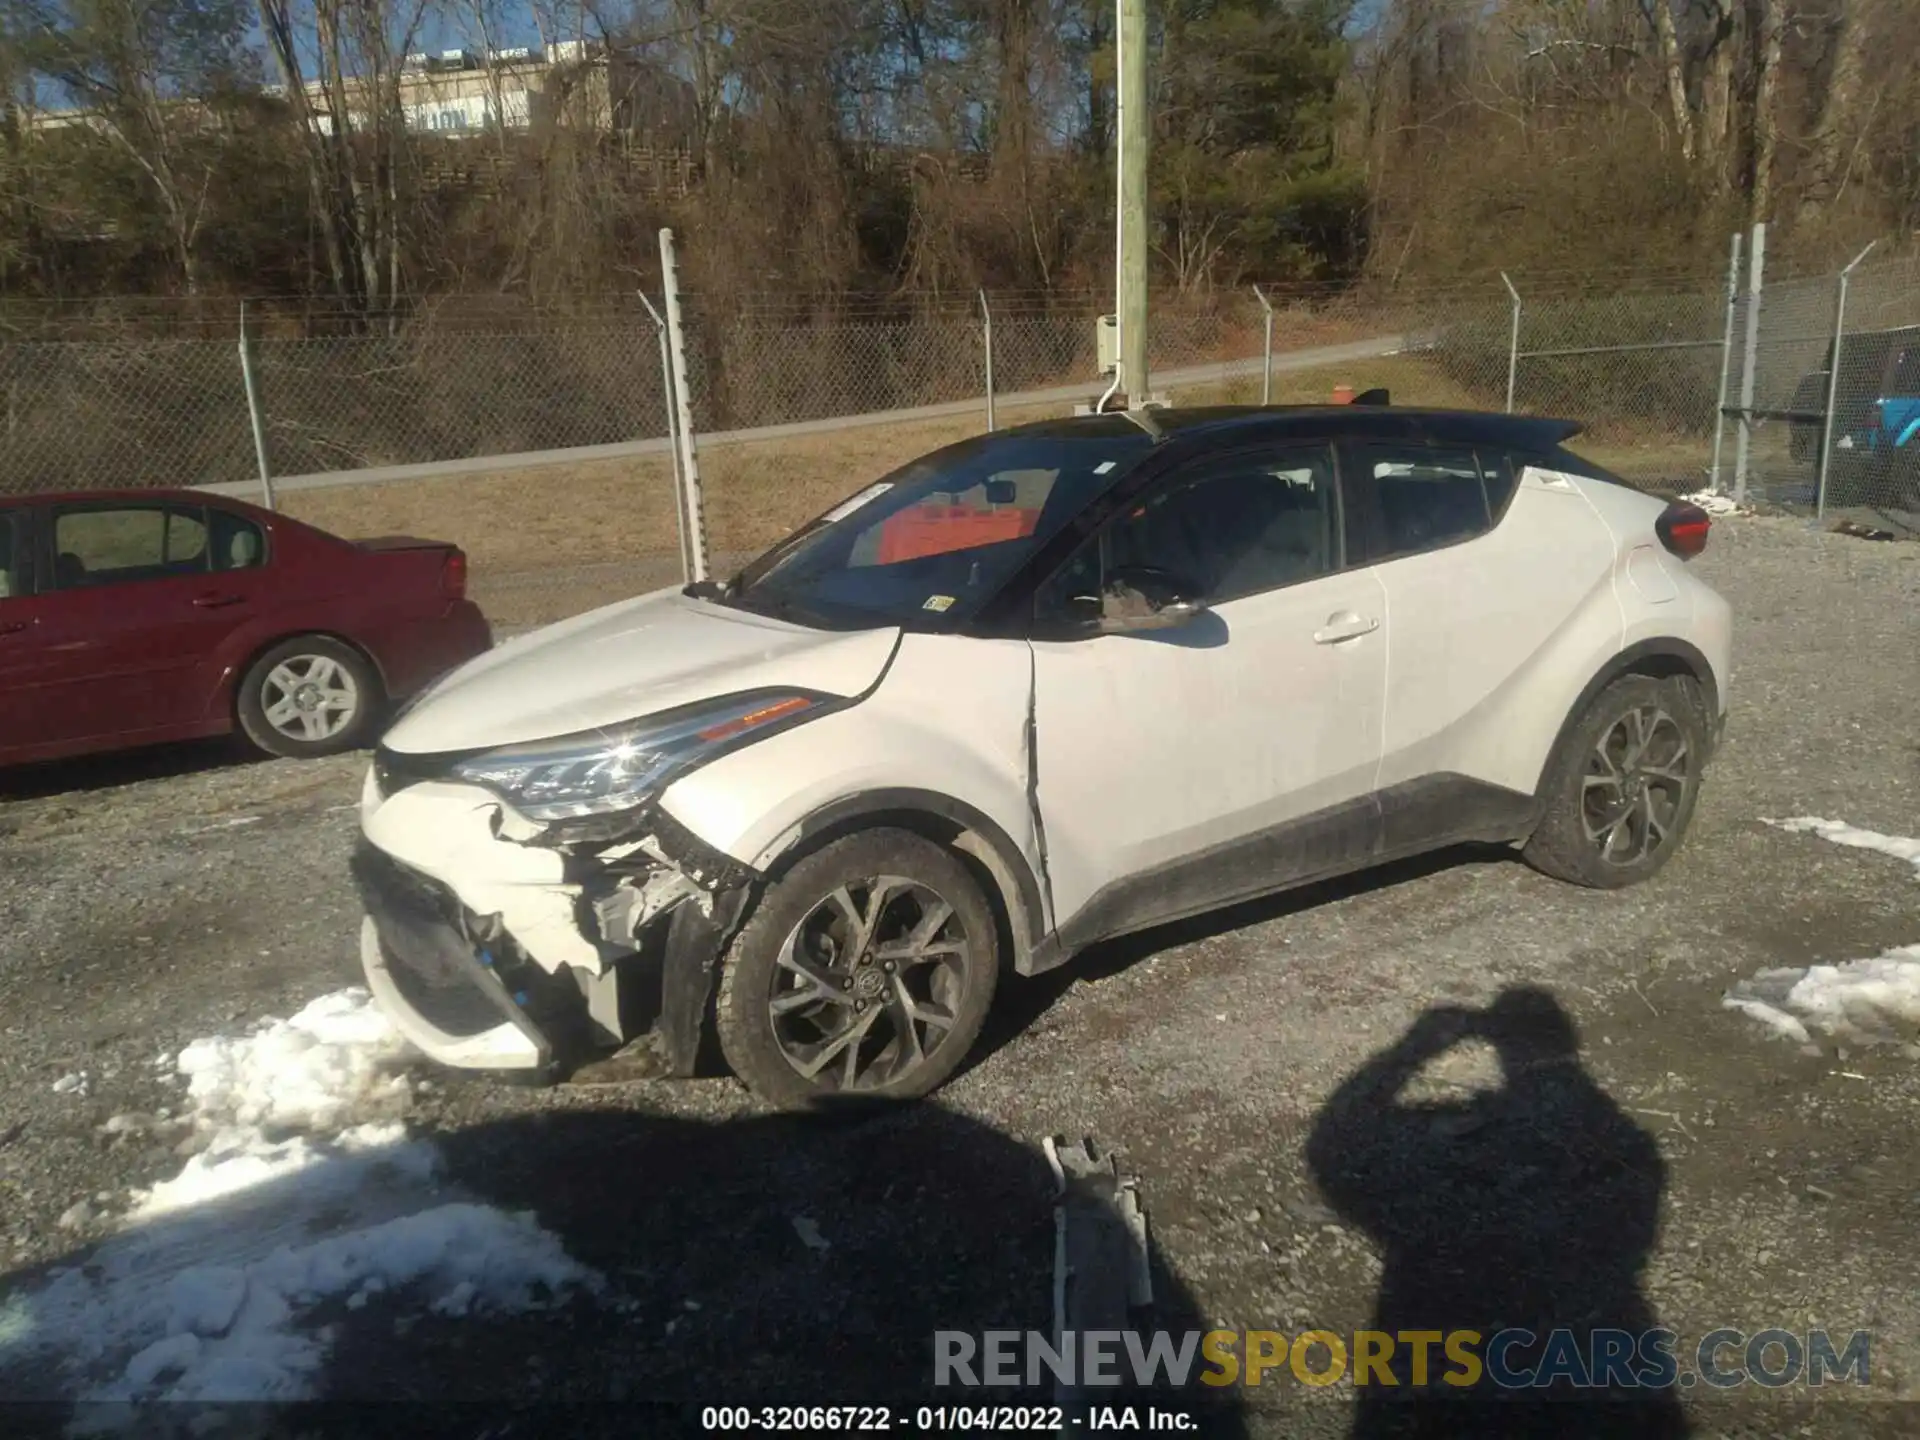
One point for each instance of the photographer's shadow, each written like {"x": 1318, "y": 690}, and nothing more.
{"x": 1529, "y": 1207}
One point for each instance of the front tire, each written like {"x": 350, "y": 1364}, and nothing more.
{"x": 1622, "y": 788}
{"x": 866, "y": 972}
{"x": 307, "y": 697}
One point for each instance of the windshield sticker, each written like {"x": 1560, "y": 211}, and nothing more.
{"x": 938, "y": 602}
{"x": 1103, "y": 467}
{"x": 847, "y": 507}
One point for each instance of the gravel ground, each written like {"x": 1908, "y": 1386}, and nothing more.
{"x": 1689, "y": 1167}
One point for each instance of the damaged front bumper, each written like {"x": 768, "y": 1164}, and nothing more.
{"x": 530, "y": 954}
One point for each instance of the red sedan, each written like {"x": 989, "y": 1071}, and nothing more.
{"x": 139, "y": 616}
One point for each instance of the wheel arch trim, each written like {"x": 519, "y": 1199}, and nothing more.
{"x": 1633, "y": 660}
{"x": 973, "y": 833}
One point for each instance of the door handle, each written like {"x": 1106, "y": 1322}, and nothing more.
{"x": 1345, "y": 625}
{"x": 215, "y": 602}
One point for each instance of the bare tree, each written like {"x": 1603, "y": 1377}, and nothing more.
{"x": 1767, "y": 21}
{"x": 1851, "y": 28}
{"x": 352, "y": 129}
{"x": 151, "y": 75}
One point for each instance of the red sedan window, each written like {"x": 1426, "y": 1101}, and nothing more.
{"x": 107, "y": 546}
{"x": 238, "y": 543}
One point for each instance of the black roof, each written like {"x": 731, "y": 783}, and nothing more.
{"x": 1235, "y": 423}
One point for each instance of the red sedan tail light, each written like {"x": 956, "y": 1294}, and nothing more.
{"x": 453, "y": 575}
{"x": 1683, "y": 528}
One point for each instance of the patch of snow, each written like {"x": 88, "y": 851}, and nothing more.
{"x": 1866, "y": 1002}
{"x": 238, "y": 1160}
{"x": 1900, "y": 847}
{"x": 1875, "y": 1001}
{"x": 74, "y": 1084}
{"x": 304, "y": 1188}
{"x": 335, "y": 1056}
{"x": 1714, "y": 503}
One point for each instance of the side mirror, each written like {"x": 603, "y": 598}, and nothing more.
{"x": 1002, "y": 492}
{"x": 1140, "y": 598}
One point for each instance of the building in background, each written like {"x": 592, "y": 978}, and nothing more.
{"x": 574, "y": 84}
{"x": 530, "y": 88}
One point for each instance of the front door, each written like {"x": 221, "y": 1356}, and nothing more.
{"x": 1175, "y": 768}
{"x": 135, "y": 612}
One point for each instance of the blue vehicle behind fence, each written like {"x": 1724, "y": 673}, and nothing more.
{"x": 1876, "y": 420}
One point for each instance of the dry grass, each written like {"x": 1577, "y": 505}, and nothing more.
{"x": 1411, "y": 379}
{"x": 559, "y": 516}
{"x": 610, "y": 510}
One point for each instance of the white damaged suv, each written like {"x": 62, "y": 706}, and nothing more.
{"x": 1035, "y": 690}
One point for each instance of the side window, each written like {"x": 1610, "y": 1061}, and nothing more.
{"x": 1232, "y": 528}
{"x": 186, "y": 540}
{"x": 1426, "y": 498}
{"x": 1501, "y": 476}
{"x": 99, "y": 546}
{"x": 12, "y": 552}
{"x": 238, "y": 543}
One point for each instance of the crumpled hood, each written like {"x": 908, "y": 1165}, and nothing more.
{"x": 635, "y": 658}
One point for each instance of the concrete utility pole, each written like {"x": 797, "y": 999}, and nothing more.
{"x": 1130, "y": 59}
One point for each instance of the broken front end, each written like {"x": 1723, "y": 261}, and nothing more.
{"x": 498, "y": 941}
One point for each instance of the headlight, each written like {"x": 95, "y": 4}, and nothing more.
{"x": 617, "y": 768}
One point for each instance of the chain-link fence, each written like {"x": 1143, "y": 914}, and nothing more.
{"x": 335, "y": 393}
{"x": 1666, "y": 374}
{"x": 1811, "y": 436}
{"x": 121, "y": 412}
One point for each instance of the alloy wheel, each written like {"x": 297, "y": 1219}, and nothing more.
{"x": 309, "y": 697}
{"x": 867, "y": 986}
{"x": 1635, "y": 785}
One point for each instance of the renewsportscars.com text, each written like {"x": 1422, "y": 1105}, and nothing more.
{"x": 1510, "y": 1359}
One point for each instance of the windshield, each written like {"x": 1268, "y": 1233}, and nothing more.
{"x": 932, "y": 542}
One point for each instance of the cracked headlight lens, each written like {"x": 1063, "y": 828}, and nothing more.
{"x": 602, "y": 772}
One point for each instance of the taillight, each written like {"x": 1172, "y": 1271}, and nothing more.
{"x": 1683, "y": 528}
{"x": 453, "y": 575}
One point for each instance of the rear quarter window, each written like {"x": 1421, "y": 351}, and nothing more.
{"x": 238, "y": 543}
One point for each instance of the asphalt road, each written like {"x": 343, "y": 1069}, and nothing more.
{"x": 149, "y": 900}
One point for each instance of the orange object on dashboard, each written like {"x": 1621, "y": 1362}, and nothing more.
{"x": 937, "y": 529}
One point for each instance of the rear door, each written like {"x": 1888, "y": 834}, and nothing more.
{"x": 140, "y": 609}
{"x": 1483, "y": 563}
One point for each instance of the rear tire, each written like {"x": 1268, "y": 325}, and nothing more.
{"x": 865, "y": 973}
{"x": 307, "y": 697}
{"x": 1622, "y": 788}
